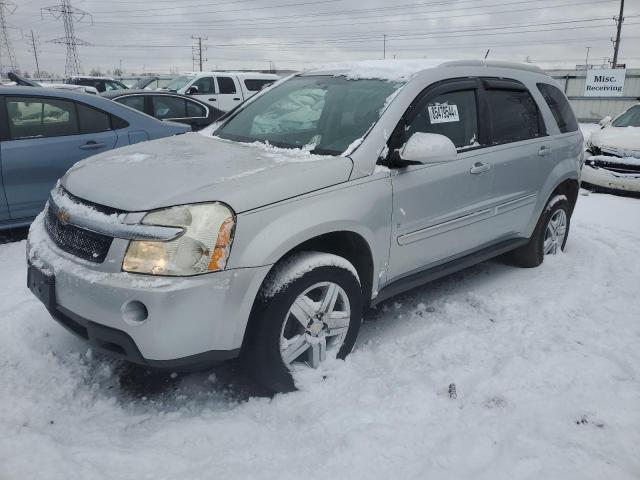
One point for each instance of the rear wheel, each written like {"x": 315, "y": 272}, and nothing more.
{"x": 550, "y": 235}
{"x": 314, "y": 314}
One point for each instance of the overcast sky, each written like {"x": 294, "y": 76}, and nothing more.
{"x": 155, "y": 36}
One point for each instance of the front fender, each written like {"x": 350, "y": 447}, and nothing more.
{"x": 265, "y": 235}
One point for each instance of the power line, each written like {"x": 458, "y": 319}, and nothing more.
{"x": 69, "y": 15}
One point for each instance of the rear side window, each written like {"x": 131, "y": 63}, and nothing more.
{"x": 134, "y": 101}
{"x": 37, "y": 117}
{"x": 195, "y": 109}
{"x": 255, "y": 85}
{"x": 514, "y": 115}
{"x": 169, "y": 107}
{"x": 226, "y": 85}
{"x": 92, "y": 120}
{"x": 452, "y": 114}
{"x": 560, "y": 107}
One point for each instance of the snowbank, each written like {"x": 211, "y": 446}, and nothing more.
{"x": 545, "y": 363}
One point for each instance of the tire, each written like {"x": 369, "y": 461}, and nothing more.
{"x": 275, "y": 332}
{"x": 532, "y": 254}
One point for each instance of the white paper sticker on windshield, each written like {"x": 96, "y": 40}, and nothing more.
{"x": 443, "y": 113}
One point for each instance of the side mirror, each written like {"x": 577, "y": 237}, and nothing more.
{"x": 192, "y": 90}
{"x": 428, "y": 148}
{"x": 605, "y": 121}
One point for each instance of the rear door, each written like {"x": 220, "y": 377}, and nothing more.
{"x": 229, "y": 93}
{"x": 206, "y": 90}
{"x": 521, "y": 153}
{"x": 46, "y": 136}
{"x": 440, "y": 210}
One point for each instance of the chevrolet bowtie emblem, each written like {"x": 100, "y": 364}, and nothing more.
{"x": 63, "y": 216}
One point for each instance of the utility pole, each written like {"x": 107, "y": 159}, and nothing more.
{"x": 616, "y": 44}
{"x": 384, "y": 47}
{"x": 69, "y": 15}
{"x": 34, "y": 47}
{"x": 6, "y": 8}
{"x": 197, "y": 51}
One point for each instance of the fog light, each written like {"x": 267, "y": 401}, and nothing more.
{"x": 134, "y": 312}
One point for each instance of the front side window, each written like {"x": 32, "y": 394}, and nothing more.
{"x": 226, "y": 85}
{"x": 323, "y": 114}
{"x": 92, "y": 120}
{"x": 169, "y": 107}
{"x": 560, "y": 107}
{"x": 514, "y": 115}
{"x": 111, "y": 85}
{"x": 452, "y": 114}
{"x": 133, "y": 101}
{"x": 630, "y": 118}
{"x": 178, "y": 83}
{"x": 205, "y": 85}
{"x": 33, "y": 117}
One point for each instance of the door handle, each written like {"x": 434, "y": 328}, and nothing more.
{"x": 544, "y": 150}
{"x": 479, "y": 167}
{"x": 237, "y": 99}
{"x": 92, "y": 145}
{"x": 212, "y": 99}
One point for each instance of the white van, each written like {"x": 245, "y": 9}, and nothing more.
{"x": 223, "y": 90}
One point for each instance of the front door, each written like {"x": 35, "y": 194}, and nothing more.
{"x": 206, "y": 91}
{"x": 440, "y": 210}
{"x": 4, "y": 208}
{"x": 46, "y": 137}
{"x": 229, "y": 94}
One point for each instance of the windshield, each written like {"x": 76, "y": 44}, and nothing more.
{"x": 178, "y": 83}
{"x": 630, "y": 118}
{"x": 320, "y": 113}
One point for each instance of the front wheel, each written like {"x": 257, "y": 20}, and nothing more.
{"x": 309, "y": 309}
{"x": 550, "y": 235}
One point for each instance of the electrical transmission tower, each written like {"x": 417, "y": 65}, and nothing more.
{"x": 69, "y": 15}
{"x": 33, "y": 43}
{"x": 6, "y": 9}
{"x": 198, "y": 51}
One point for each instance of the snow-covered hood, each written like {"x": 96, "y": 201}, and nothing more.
{"x": 620, "y": 141}
{"x": 193, "y": 168}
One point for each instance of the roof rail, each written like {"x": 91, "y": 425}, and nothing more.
{"x": 494, "y": 63}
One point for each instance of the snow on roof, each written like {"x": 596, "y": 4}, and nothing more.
{"x": 394, "y": 70}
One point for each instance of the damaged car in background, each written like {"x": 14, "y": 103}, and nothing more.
{"x": 613, "y": 154}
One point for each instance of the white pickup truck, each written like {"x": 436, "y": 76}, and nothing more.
{"x": 223, "y": 90}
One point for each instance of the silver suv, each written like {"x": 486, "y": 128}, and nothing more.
{"x": 324, "y": 194}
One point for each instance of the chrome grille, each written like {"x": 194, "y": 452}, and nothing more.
{"x": 82, "y": 243}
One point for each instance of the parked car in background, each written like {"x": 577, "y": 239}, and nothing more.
{"x": 223, "y": 90}
{"x": 613, "y": 154}
{"x": 168, "y": 106}
{"x": 45, "y": 131}
{"x": 330, "y": 192}
{"x": 26, "y": 82}
{"x": 101, "y": 84}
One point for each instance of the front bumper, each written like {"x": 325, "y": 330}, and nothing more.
{"x": 601, "y": 177}
{"x": 190, "y": 321}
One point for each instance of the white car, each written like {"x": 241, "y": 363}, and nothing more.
{"x": 613, "y": 153}
{"x": 223, "y": 90}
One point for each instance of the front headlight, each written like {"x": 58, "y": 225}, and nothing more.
{"x": 203, "y": 247}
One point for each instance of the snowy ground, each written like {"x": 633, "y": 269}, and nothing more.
{"x": 546, "y": 364}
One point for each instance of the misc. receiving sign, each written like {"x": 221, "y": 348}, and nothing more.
{"x": 605, "y": 83}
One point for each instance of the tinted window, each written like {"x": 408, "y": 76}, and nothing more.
{"x": 205, "y": 85}
{"x": 255, "y": 85}
{"x": 134, "y": 101}
{"x": 92, "y": 120}
{"x": 169, "y": 107}
{"x": 117, "y": 123}
{"x": 453, "y": 115}
{"x": 560, "y": 108}
{"x": 41, "y": 117}
{"x": 514, "y": 115}
{"x": 226, "y": 85}
{"x": 111, "y": 85}
{"x": 195, "y": 110}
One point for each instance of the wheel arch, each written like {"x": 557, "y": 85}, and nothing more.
{"x": 569, "y": 188}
